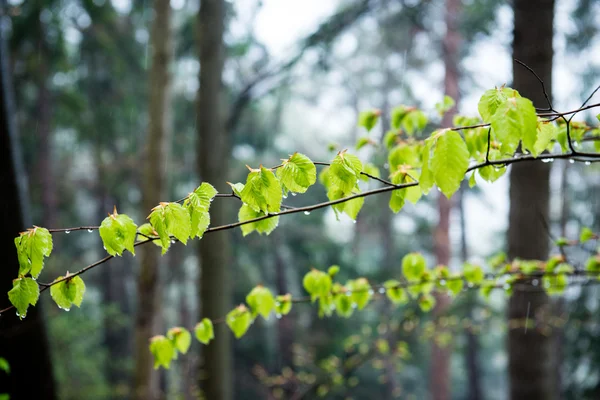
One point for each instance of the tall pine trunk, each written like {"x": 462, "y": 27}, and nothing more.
{"x": 440, "y": 360}
{"x": 153, "y": 191}
{"x": 530, "y": 367}
{"x": 23, "y": 344}
{"x": 213, "y": 166}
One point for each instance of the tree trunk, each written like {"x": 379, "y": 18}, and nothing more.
{"x": 22, "y": 343}
{"x": 153, "y": 191}
{"x": 530, "y": 367}
{"x": 213, "y": 166}
{"x": 440, "y": 360}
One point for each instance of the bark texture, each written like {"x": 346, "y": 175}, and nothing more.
{"x": 23, "y": 344}
{"x": 156, "y": 151}
{"x": 213, "y": 159}
{"x": 530, "y": 367}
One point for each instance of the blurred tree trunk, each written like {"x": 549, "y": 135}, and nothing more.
{"x": 472, "y": 351}
{"x": 440, "y": 357}
{"x": 530, "y": 367}
{"x": 153, "y": 191}
{"x": 22, "y": 343}
{"x": 213, "y": 166}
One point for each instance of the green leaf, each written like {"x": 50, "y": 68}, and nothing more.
{"x": 472, "y": 181}
{"x": 283, "y": 304}
{"x": 555, "y": 284}
{"x": 404, "y": 154}
{"x": 397, "y": 196}
{"x": 265, "y": 226}
{"x": 146, "y": 232}
{"x": 32, "y": 246}
{"x": 361, "y": 292}
{"x": 68, "y": 292}
{"x": 343, "y": 305}
{"x": 333, "y": 270}
{"x": 25, "y": 291}
{"x": 413, "y": 266}
{"x": 181, "y": 339}
{"x": 492, "y": 99}
{"x": 344, "y": 172}
{"x": 546, "y": 133}
{"x": 262, "y": 191}
{"x": 445, "y": 105}
{"x": 455, "y": 284}
{"x": 390, "y": 138}
{"x": 395, "y": 292}
{"x": 368, "y": 119}
{"x": 449, "y": 162}
{"x": 491, "y": 173}
{"x": 362, "y": 142}
{"x": 398, "y": 114}
{"x": 163, "y": 351}
{"x": 427, "y": 179}
{"x": 298, "y": 173}
{"x": 586, "y": 234}
{"x": 261, "y": 301}
{"x": 317, "y": 283}
{"x": 198, "y": 204}
{"x": 515, "y": 120}
{"x": 426, "y": 302}
{"x": 416, "y": 120}
{"x": 592, "y": 265}
{"x": 204, "y": 331}
{"x": 171, "y": 219}
{"x": 473, "y": 274}
{"x": 236, "y": 188}
{"x": 118, "y": 233}
{"x": 4, "y": 365}
{"x": 239, "y": 320}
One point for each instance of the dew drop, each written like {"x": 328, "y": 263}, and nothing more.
{"x": 285, "y": 196}
{"x": 293, "y": 194}
{"x": 306, "y": 212}
{"x": 353, "y": 221}
{"x": 382, "y": 290}
{"x": 173, "y": 242}
{"x": 546, "y": 160}
{"x": 278, "y": 316}
{"x": 575, "y": 144}
{"x": 104, "y": 247}
{"x": 572, "y": 161}
{"x": 588, "y": 163}
{"x": 90, "y": 230}
{"x": 67, "y": 232}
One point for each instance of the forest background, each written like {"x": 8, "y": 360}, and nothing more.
{"x": 107, "y": 113}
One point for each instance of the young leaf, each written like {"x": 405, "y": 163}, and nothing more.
{"x": 416, "y": 120}
{"x": 398, "y": 114}
{"x": 171, "y": 219}
{"x": 118, "y": 233}
{"x": 445, "y": 105}
{"x": 25, "y": 291}
{"x": 426, "y": 302}
{"x": 204, "y": 331}
{"x": 262, "y": 191}
{"x": 68, "y": 292}
{"x": 361, "y": 292}
{"x": 368, "y": 119}
{"x": 395, "y": 293}
{"x": 492, "y": 99}
{"x": 265, "y": 226}
{"x": 426, "y": 180}
{"x": 283, "y": 304}
{"x": 449, "y": 162}
{"x": 343, "y": 305}
{"x": 261, "y": 301}
{"x": 473, "y": 274}
{"x": 586, "y": 234}
{"x": 413, "y": 266}
{"x": 317, "y": 283}
{"x": 163, "y": 351}
{"x": 397, "y": 196}
{"x": 181, "y": 339}
{"x": 515, "y": 120}
{"x": 546, "y": 133}
{"x": 298, "y": 173}
{"x": 344, "y": 171}
{"x": 32, "y": 246}
{"x": 198, "y": 204}
{"x": 455, "y": 284}
{"x": 333, "y": 270}
{"x": 239, "y": 320}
